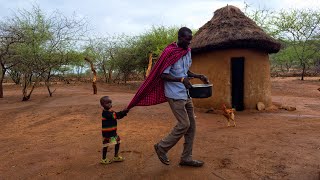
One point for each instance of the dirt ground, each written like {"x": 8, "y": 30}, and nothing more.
{"x": 59, "y": 137}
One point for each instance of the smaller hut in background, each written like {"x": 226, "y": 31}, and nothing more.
{"x": 234, "y": 53}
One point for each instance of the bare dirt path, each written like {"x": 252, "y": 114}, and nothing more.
{"x": 59, "y": 137}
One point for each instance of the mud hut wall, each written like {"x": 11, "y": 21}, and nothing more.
{"x": 257, "y": 87}
{"x": 217, "y": 66}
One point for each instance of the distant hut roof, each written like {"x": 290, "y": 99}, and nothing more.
{"x": 230, "y": 28}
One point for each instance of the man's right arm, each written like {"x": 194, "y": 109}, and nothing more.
{"x": 168, "y": 77}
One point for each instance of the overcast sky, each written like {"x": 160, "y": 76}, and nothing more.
{"x": 108, "y": 17}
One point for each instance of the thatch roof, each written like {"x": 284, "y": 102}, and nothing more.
{"x": 230, "y": 28}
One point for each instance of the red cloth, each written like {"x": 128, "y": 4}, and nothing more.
{"x": 151, "y": 91}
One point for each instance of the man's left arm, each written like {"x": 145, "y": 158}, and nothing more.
{"x": 202, "y": 77}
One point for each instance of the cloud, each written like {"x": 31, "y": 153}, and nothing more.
{"x": 134, "y": 17}
{"x": 284, "y": 4}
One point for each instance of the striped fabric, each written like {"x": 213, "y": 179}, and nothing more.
{"x": 151, "y": 92}
{"x": 109, "y": 123}
{"x": 109, "y": 129}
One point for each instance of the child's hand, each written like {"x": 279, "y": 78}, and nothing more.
{"x": 125, "y": 111}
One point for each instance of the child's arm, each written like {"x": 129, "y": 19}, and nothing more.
{"x": 122, "y": 113}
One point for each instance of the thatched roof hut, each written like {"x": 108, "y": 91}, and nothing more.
{"x": 234, "y": 53}
{"x": 230, "y": 28}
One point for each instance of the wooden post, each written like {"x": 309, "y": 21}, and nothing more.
{"x": 149, "y": 65}
{"x": 94, "y": 79}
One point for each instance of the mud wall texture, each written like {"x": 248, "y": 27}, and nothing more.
{"x": 216, "y": 65}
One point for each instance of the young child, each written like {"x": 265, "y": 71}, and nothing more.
{"x": 109, "y": 130}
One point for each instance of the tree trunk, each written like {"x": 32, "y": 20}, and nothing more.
{"x": 1, "y": 81}
{"x": 288, "y": 67}
{"x": 144, "y": 73}
{"x": 24, "y": 88}
{"x": 281, "y": 68}
{"x": 105, "y": 73}
{"x": 27, "y": 96}
{"x": 94, "y": 86}
{"x": 117, "y": 78}
{"x": 125, "y": 78}
{"x": 94, "y": 79}
{"x": 303, "y": 71}
{"x": 1, "y": 88}
{"x": 48, "y": 88}
{"x": 47, "y": 82}
{"x": 110, "y": 74}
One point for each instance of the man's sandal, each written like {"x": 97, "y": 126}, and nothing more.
{"x": 162, "y": 157}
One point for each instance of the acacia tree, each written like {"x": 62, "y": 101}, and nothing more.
{"x": 91, "y": 54}
{"x": 32, "y": 52}
{"x": 285, "y": 59}
{"x": 125, "y": 59}
{"x": 114, "y": 44}
{"x": 127, "y": 55}
{"x": 132, "y": 54}
{"x": 97, "y": 50}
{"x": 94, "y": 72}
{"x": 47, "y": 40}
{"x": 151, "y": 44}
{"x": 58, "y": 63}
{"x": 15, "y": 75}
{"x": 10, "y": 34}
{"x": 262, "y": 17}
{"x": 114, "y": 54}
{"x": 300, "y": 28}
{"x": 60, "y": 47}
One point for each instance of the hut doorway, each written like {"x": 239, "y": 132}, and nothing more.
{"x": 237, "y": 82}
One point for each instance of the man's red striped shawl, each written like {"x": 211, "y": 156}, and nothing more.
{"x": 151, "y": 92}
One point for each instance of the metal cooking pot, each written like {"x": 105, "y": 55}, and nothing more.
{"x": 201, "y": 90}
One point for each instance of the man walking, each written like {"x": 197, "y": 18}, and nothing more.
{"x": 176, "y": 85}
